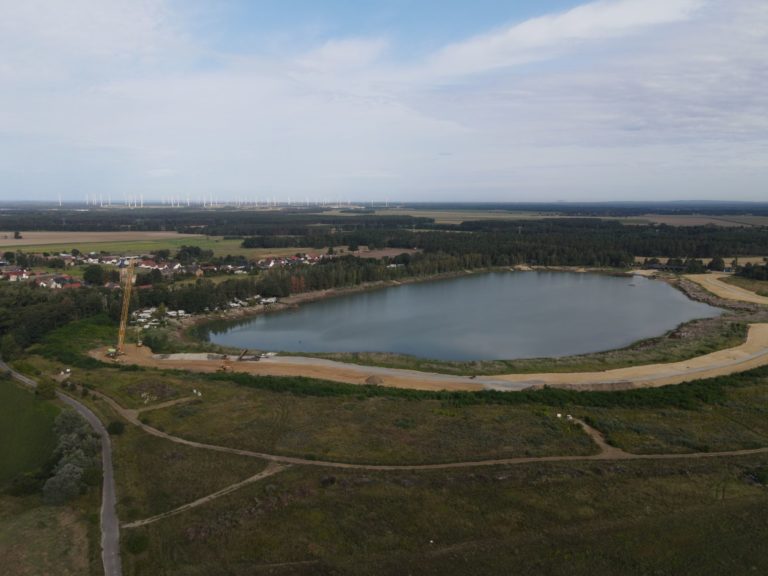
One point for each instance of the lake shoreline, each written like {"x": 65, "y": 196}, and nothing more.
{"x": 710, "y": 334}
{"x": 187, "y": 326}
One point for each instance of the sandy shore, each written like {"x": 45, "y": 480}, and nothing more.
{"x": 714, "y": 284}
{"x": 751, "y": 354}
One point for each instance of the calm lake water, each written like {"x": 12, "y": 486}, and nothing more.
{"x": 500, "y": 315}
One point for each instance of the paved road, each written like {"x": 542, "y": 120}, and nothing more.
{"x": 110, "y": 525}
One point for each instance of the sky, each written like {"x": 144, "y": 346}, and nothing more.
{"x": 398, "y": 100}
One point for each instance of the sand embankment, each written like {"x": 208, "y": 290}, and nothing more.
{"x": 751, "y": 354}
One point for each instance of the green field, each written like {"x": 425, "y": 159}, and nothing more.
{"x": 26, "y": 429}
{"x": 219, "y": 245}
{"x": 37, "y": 540}
{"x": 579, "y": 518}
{"x": 691, "y": 516}
{"x": 179, "y": 474}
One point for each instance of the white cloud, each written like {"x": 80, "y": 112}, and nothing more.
{"x": 640, "y": 99}
{"x": 537, "y": 38}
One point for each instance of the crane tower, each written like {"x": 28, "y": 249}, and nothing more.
{"x": 128, "y": 279}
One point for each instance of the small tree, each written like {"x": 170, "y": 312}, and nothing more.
{"x": 717, "y": 264}
{"x": 94, "y": 274}
{"x": 64, "y": 485}
{"x": 46, "y": 390}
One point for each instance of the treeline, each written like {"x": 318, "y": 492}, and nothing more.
{"x": 73, "y": 467}
{"x": 28, "y": 312}
{"x": 220, "y": 222}
{"x": 753, "y": 271}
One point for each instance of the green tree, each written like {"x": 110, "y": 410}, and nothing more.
{"x": 94, "y": 275}
{"x": 64, "y": 485}
{"x": 717, "y": 264}
{"x": 9, "y": 348}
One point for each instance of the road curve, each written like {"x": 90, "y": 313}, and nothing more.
{"x": 110, "y": 525}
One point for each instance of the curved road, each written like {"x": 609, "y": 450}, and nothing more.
{"x": 110, "y": 525}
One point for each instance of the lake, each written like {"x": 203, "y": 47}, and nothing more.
{"x": 498, "y": 315}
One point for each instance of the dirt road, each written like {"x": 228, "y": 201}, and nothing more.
{"x": 751, "y": 354}
{"x": 714, "y": 284}
{"x": 271, "y": 469}
{"x": 605, "y": 451}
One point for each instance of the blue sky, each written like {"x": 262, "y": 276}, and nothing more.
{"x": 421, "y": 101}
{"x": 414, "y": 26}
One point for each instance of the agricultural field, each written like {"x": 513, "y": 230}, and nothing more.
{"x": 459, "y": 216}
{"x": 727, "y": 221}
{"x": 133, "y": 243}
{"x": 66, "y": 537}
{"x": 35, "y": 238}
{"x": 26, "y": 429}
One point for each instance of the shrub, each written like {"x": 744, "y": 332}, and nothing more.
{"x": 115, "y": 428}
{"x": 136, "y": 542}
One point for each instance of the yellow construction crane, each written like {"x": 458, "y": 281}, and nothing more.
{"x": 128, "y": 279}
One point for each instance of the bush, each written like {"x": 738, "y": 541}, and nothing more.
{"x": 46, "y": 390}
{"x": 64, "y": 485}
{"x": 115, "y": 428}
{"x": 136, "y": 542}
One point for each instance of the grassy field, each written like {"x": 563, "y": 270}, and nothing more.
{"x": 219, "y": 245}
{"x": 760, "y": 287}
{"x": 350, "y": 427}
{"x": 695, "y": 516}
{"x": 458, "y": 216}
{"x": 373, "y": 430}
{"x": 180, "y": 474}
{"x": 37, "y": 540}
{"x": 591, "y": 519}
{"x": 26, "y": 429}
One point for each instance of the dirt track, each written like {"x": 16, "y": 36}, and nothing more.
{"x": 714, "y": 284}
{"x": 751, "y": 354}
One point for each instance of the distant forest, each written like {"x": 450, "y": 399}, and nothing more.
{"x": 28, "y": 313}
